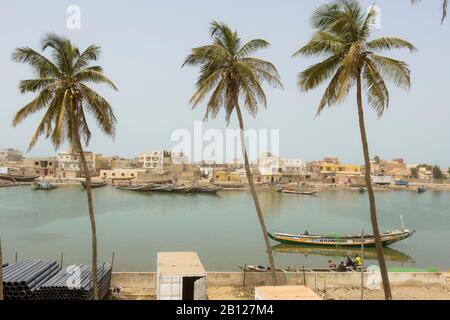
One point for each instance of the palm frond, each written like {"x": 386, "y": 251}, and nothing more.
{"x": 394, "y": 70}
{"x": 41, "y": 65}
{"x": 252, "y": 46}
{"x": 389, "y": 43}
{"x": 376, "y": 89}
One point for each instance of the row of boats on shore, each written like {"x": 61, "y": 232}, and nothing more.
{"x": 173, "y": 187}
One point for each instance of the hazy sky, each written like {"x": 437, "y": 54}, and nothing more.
{"x": 144, "y": 44}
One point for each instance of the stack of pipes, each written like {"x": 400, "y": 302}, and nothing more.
{"x": 23, "y": 278}
{"x": 75, "y": 283}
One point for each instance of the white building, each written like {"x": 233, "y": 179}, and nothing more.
{"x": 293, "y": 166}
{"x": 179, "y": 158}
{"x": 269, "y": 164}
{"x": 69, "y": 163}
{"x": 157, "y": 161}
{"x": 10, "y": 155}
{"x": 120, "y": 173}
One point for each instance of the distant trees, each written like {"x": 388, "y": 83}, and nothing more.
{"x": 436, "y": 171}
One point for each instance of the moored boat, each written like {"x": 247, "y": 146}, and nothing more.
{"x": 17, "y": 178}
{"x": 308, "y": 193}
{"x": 303, "y": 189}
{"x": 132, "y": 187}
{"x": 42, "y": 185}
{"x": 211, "y": 189}
{"x": 421, "y": 189}
{"x": 94, "y": 184}
{"x": 387, "y": 238}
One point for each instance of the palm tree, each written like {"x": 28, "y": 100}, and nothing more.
{"x": 62, "y": 90}
{"x": 342, "y": 35}
{"x": 230, "y": 74}
{"x": 444, "y": 8}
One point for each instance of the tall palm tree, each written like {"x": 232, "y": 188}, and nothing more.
{"x": 342, "y": 36}
{"x": 62, "y": 90}
{"x": 444, "y": 8}
{"x": 231, "y": 75}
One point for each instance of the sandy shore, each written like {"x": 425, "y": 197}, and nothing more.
{"x": 404, "y": 292}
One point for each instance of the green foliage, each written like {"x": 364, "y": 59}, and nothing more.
{"x": 437, "y": 173}
{"x": 415, "y": 172}
{"x": 342, "y": 37}
{"x": 228, "y": 72}
{"x": 63, "y": 92}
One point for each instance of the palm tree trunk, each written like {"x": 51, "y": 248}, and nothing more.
{"x": 87, "y": 175}
{"x": 1, "y": 271}
{"x": 255, "y": 198}
{"x": 373, "y": 212}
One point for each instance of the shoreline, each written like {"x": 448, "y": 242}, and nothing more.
{"x": 261, "y": 187}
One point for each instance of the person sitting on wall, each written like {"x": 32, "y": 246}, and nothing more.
{"x": 358, "y": 261}
{"x": 341, "y": 267}
{"x": 331, "y": 264}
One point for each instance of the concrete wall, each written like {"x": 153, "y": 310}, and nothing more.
{"x": 316, "y": 280}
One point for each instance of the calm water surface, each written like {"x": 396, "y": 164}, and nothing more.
{"x": 223, "y": 229}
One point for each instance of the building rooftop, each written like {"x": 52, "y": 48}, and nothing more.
{"x": 179, "y": 263}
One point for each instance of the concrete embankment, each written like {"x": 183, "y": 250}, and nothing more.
{"x": 144, "y": 283}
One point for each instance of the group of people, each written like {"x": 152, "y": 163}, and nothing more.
{"x": 347, "y": 264}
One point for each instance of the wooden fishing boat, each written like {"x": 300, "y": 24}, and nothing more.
{"x": 17, "y": 178}
{"x": 387, "y": 238}
{"x": 94, "y": 184}
{"x": 183, "y": 189}
{"x": 307, "y": 193}
{"x": 132, "y": 187}
{"x": 210, "y": 189}
{"x": 161, "y": 187}
{"x": 303, "y": 189}
{"x": 421, "y": 189}
{"x": 43, "y": 185}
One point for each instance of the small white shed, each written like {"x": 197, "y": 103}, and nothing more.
{"x": 180, "y": 276}
{"x": 285, "y": 293}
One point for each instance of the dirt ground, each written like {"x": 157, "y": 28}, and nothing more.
{"x": 430, "y": 292}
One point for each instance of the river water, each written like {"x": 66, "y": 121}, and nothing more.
{"x": 223, "y": 229}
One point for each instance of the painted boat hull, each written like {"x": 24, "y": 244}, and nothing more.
{"x": 16, "y": 178}
{"x": 93, "y": 184}
{"x": 340, "y": 241}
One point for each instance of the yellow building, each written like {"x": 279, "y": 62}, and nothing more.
{"x": 334, "y": 168}
{"x": 227, "y": 177}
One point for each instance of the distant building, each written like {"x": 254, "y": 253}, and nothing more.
{"x": 221, "y": 176}
{"x": 120, "y": 173}
{"x": 70, "y": 166}
{"x": 341, "y": 173}
{"x": 293, "y": 166}
{"x": 179, "y": 158}
{"x": 10, "y": 155}
{"x": 385, "y": 167}
{"x": 42, "y": 167}
{"x": 157, "y": 161}
{"x": 269, "y": 164}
